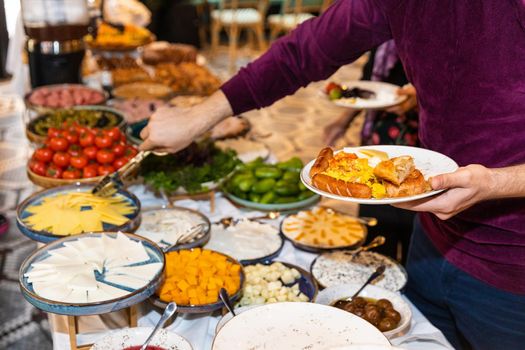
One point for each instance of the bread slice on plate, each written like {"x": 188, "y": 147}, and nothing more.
{"x": 395, "y": 170}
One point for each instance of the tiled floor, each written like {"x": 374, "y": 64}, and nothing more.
{"x": 295, "y": 125}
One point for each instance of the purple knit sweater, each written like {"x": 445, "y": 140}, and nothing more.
{"x": 467, "y": 62}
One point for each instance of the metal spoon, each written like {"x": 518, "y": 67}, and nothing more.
{"x": 168, "y": 312}
{"x": 223, "y": 294}
{"x": 376, "y": 242}
{"x": 186, "y": 237}
{"x": 228, "y": 221}
{"x": 378, "y": 272}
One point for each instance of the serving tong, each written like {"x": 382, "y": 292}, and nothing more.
{"x": 186, "y": 237}
{"x": 376, "y": 242}
{"x": 113, "y": 182}
{"x": 229, "y": 220}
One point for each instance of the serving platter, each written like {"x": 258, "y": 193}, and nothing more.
{"x": 129, "y": 337}
{"x": 329, "y": 296}
{"x": 307, "y": 284}
{"x": 313, "y": 248}
{"x": 295, "y": 326}
{"x": 238, "y": 249}
{"x": 273, "y": 207}
{"x": 35, "y": 137}
{"x": 91, "y": 308}
{"x": 340, "y": 267}
{"x": 200, "y": 239}
{"x": 204, "y": 308}
{"x": 430, "y": 163}
{"x": 46, "y": 237}
{"x": 386, "y": 95}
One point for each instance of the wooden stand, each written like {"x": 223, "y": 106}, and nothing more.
{"x": 199, "y": 196}
{"x": 72, "y": 325}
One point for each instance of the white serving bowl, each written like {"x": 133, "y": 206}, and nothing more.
{"x": 137, "y": 336}
{"x": 332, "y": 294}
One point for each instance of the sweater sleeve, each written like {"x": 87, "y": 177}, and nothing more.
{"x": 312, "y": 52}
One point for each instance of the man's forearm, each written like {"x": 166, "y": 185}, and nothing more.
{"x": 507, "y": 182}
{"x": 212, "y": 111}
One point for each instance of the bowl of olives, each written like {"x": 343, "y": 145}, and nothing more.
{"x": 384, "y": 309}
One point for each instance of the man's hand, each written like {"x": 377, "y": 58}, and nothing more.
{"x": 410, "y": 103}
{"x": 465, "y": 187}
{"x": 173, "y": 129}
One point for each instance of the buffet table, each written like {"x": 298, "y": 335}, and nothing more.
{"x": 200, "y": 329}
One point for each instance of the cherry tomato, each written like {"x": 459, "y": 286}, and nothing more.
{"x": 90, "y": 152}
{"x": 103, "y": 141}
{"x": 71, "y": 136}
{"x": 114, "y": 133}
{"x": 58, "y": 143}
{"x": 80, "y": 129}
{"x": 120, "y": 162}
{"x": 86, "y": 139}
{"x": 79, "y": 162}
{"x": 53, "y": 132}
{"x": 37, "y": 167}
{"x": 90, "y": 171}
{"x": 43, "y": 155}
{"x": 119, "y": 149}
{"x": 71, "y": 173}
{"x": 104, "y": 156}
{"x": 105, "y": 169}
{"x": 54, "y": 171}
{"x": 130, "y": 152}
{"x": 61, "y": 159}
{"x": 74, "y": 150}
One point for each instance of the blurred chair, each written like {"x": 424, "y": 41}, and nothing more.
{"x": 234, "y": 16}
{"x": 293, "y": 13}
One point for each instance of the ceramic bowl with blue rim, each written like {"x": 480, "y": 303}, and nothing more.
{"x": 307, "y": 284}
{"x": 266, "y": 258}
{"x": 204, "y": 308}
{"x": 132, "y": 297}
{"x": 179, "y": 213}
{"x": 45, "y": 237}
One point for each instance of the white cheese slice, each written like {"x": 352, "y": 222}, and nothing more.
{"x": 125, "y": 281}
{"x": 83, "y": 281}
{"x": 143, "y": 272}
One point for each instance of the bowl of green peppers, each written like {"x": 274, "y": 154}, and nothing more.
{"x": 262, "y": 186}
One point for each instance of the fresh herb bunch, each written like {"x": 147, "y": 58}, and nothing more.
{"x": 190, "y": 168}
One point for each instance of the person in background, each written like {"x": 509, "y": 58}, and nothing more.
{"x": 466, "y": 266}
{"x": 397, "y": 125}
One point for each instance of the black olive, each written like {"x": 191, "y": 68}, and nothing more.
{"x": 386, "y": 324}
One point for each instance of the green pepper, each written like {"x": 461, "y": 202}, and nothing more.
{"x": 268, "y": 197}
{"x": 255, "y": 163}
{"x": 294, "y": 163}
{"x": 286, "y": 189}
{"x": 238, "y": 193}
{"x": 255, "y": 197}
{"x": 291, "y": 176}
{"x": 282, "y": 200}
{"x": 246, "y": 184}
{"x": 305, "y": 194}
{"x": 263, "y": 186}
{"x": 238, "y": 178}
{"x": 268, "y": 172}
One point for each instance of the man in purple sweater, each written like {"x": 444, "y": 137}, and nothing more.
{"x": 466, "y": 60}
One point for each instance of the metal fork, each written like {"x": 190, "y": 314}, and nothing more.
{"x": 111, "y": 183}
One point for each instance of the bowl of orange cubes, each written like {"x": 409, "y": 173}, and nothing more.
{"x": 193, "y": 278}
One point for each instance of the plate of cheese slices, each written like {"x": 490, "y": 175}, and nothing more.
{"x": 92, "y": 273}
{"x": 376, "y": 174}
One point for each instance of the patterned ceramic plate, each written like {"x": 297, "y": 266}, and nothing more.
{"x": 295, "y": 326}
{"x": 46, "y": 237}
{"x": 134, "y": 296}
{"x": 430, "y": 163}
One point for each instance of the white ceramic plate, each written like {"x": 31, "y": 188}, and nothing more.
{"x": 386, "y": 95}
{"x": 238, "y": 310}
{"x": 330, "y": 295}
{"x": 294, "y": 326}
{"x": 137, "y": 336}
{"x": 430, "y": 163}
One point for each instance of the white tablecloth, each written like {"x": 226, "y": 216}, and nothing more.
{"x": 199, "y": 330}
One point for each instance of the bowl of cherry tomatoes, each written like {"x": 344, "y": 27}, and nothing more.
{"x": 75, "y": 153}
